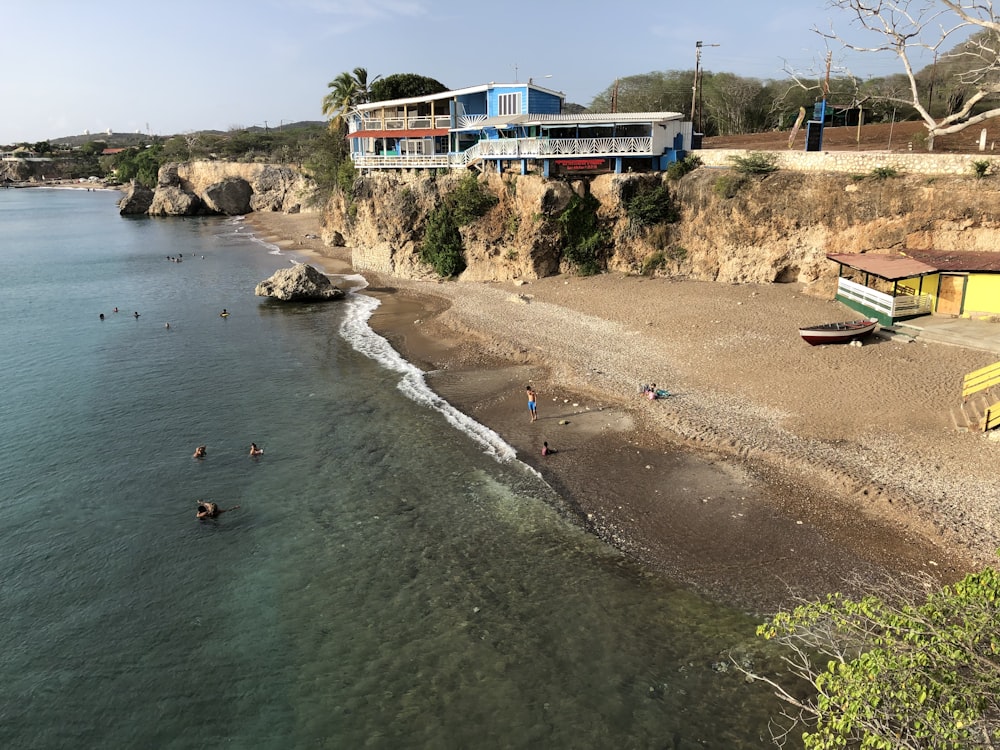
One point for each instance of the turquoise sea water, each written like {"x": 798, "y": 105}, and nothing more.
{"x": 394, "y": 577}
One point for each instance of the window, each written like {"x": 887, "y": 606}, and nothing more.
{"x": 509, "y": 104}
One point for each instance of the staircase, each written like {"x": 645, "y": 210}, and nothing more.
{"x": 980, "y": 408}
{"x": 970, "y": 415}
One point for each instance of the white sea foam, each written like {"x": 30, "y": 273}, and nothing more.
{"x": 358, "y": 333}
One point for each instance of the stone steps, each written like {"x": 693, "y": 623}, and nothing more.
{"x": 969, "y": 416}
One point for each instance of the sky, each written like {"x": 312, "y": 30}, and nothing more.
{"x": 163, "y": 68}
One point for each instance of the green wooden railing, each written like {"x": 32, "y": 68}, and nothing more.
{"x": 980, "y": 380}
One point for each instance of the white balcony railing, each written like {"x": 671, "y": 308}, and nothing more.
{"x": 413, "y": 161}
{"x": 513, "y": 148}
{"x": 886, "y": 304}
{"x": 539, "y": 147}
{"x": 412, "y": 122}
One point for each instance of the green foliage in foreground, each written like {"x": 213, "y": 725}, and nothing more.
{"x": 888, "y": 674}
{"x": 756, "y": 162}
{"x": 584, "y": 242}
{"x": 442, "y": 245}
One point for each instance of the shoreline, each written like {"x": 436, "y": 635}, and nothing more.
{"x": 753, "y": 482}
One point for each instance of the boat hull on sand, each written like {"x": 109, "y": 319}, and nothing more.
{"x": 837, "y": 333}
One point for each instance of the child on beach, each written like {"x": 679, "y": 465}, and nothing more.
{"x": 532, "y": 407}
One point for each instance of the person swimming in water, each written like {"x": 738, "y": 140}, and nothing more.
{"x": 255, "y": 451}
{"x": 200, "y": 452}
{"x": 224, "y": 313}
{"x": 211, "y": 510}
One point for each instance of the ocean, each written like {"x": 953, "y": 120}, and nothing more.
{"x": 393, "y": 577}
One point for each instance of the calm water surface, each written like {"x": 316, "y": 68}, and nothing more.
{"x": 394, "y": 578}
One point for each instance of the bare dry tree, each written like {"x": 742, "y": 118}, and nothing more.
{"x": 913, "y": 29}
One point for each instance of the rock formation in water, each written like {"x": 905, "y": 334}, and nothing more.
{"x": 300, "y": 283}
{"x": 136, "y": 200}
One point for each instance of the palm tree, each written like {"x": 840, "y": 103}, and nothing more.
{"x": 347, "y": 91}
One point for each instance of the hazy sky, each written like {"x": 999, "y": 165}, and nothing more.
{"x": 70, "y": 66}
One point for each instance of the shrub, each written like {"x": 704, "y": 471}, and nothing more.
{"x": 728, "y": 185}
{"x": 442, "y": 245}
{"x": 678, "y": 169}
{"x": 981, "y": 168}
{"x": 756, "y": 162}
{"x": 652, "y": 207}
{"x": 583, "y": 240}
{"x": 469, "y": 200}
{"x": 884, "y": 173}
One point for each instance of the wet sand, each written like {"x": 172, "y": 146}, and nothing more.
{"x": 773, "y": 470}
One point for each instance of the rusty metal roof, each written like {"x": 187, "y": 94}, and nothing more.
{"x": 889, "y": 267}
{"x": 959, "y": 260}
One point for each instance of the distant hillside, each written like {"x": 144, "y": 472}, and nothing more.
{"x": 120, "y": 140}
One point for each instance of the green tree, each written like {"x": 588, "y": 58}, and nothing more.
{"x": 442, "y": 245}
{"x": 888, "y": 674}
{"x": 404, "y": 86}
{"x": 139, "y": 164}
{"x": 657, "y": 91}
{"x": 347, "y": 91}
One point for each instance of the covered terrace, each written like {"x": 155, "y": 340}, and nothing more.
{"x": 870, "y": 284}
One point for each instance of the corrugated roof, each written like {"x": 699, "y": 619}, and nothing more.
{"x": 959, "y": 260}
{"x": 889, "y": 267}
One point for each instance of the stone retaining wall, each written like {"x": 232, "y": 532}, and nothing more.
{"x": 861, "y": 162}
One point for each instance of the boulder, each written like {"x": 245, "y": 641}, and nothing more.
{"x": 168, "y": 176}
{"x": 231, "y": 196}
{"x": 300, "y": 283}
{"x": 172, "y": 201}
{"x": 273, "y": 189}
{"x": 136, "y": 200}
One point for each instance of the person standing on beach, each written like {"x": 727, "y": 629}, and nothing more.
{"x": 532, "y": 403}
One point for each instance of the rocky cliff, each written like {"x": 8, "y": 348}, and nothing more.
{"x": 722, "y": 226}
{"x": 207, "y": 187}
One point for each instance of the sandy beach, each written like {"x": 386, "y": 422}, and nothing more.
{"x": 773, "y": 469}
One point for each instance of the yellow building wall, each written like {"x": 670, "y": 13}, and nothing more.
{"x": 982, "y": 294}
{"x": 928, "y": 286}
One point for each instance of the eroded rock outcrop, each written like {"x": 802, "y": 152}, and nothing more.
{"x": 300, "y": 283}
{"x": 175, "y": 201}
{"x": 229, "y": 188}
{"x": 231, "y": 196}
{"x": 136, "y": 200}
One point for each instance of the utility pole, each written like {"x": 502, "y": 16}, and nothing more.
{"x": 697, "y": 77}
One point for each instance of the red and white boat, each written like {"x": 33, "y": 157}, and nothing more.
{"x": 837, "y": 333}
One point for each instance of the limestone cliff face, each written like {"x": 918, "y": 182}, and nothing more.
{"x": 207, "y": 187}
{"x": 732, "y": 228}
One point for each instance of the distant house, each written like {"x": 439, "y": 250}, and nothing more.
{"x": 919, "y": 282}
{"x": 513, "y": 126}
{"x": 111, "y": 151}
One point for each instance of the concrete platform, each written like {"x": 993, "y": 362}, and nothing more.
{"x": 944, "y": 329}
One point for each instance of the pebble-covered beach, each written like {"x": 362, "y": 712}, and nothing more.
{"x": 773, "y": 469}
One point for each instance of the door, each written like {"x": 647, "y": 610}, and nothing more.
{"x": 950, "y": 293}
